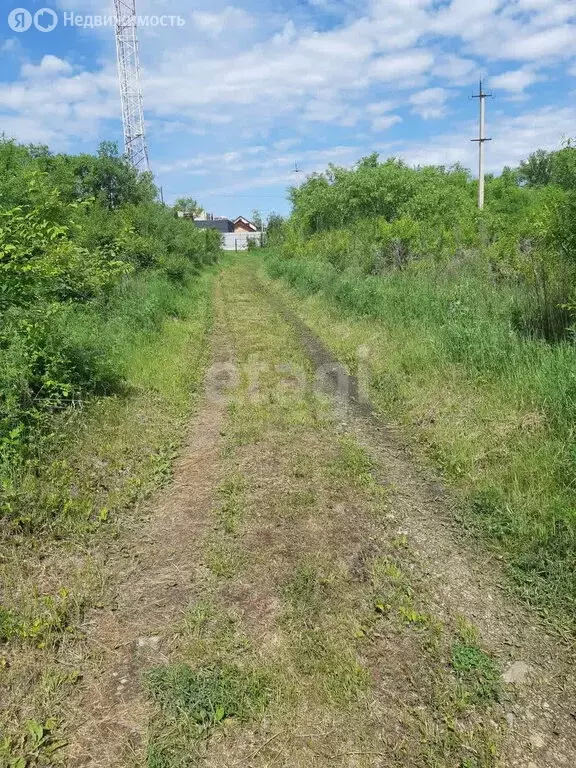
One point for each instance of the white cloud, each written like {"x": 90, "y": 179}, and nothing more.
{"x": 284, "y": 144}
{"x": 253, "y": 75}
{"x": 72, "y": 107}
{"x": 402, "y": 67}
{"x": 270, "y": 171}
{"x": 29, "y": 130}
{"x": 231, "y": 19}
{"x": 456, "y": 70}
{"x": 50, "y": 66}
{"x": 515, "y": 81}
{"x": 464, "y": 18}
{"x": 430, "y": 103}
{"x": 379, "y": 107}
{"x": 558, "y": 41}
{"x": 336, "y": 113}
{"x": 512, "y": 140}
{"x": 10, "y": 45}
{"x": 554, "y": 13}
{"x": 385, "y": 122}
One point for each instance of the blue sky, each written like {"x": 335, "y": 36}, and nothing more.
{"x": 241, "y": 92}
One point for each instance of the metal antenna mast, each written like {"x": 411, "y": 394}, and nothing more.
{"x": 481, "y": 141}
{"x": 130, "y": 90}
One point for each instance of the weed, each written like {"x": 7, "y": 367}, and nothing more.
{"x": 477, "y": 672}
{"x": 67, "y": 509}
{"x": 231, "y": 507}
{"x": 45, "y": 620}
{"x": 210, "y": 695}
{"x": 195, "y": 701}
{"x": 352, "y": 464}
{"x": 223, "y": 557}
{"x": 307, "y": 595}
{"x": 38, "y": 745}
{"x": 212, "y": 634}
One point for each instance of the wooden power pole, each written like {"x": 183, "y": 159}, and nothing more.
{"x": 481, "y": 96}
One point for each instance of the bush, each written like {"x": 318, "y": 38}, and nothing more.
{"x": 88, "y": 258}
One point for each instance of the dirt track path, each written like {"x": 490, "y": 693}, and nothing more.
{"x": 300, "y": 596}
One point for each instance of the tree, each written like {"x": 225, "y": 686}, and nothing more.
{"x": 257, "y": 218}
{"x": 275, "y": 223}
{"x": 370, "y": 161}
{"x": 188, "y": 205}
{"x": 564, "y": 166}
{"x": 537, "y": 170}
{"x": 558, "y": 168}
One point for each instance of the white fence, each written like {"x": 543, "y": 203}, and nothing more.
{"x": 238, "y": 241}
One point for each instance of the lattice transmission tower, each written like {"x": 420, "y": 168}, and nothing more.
{"x": 130, "y": 89}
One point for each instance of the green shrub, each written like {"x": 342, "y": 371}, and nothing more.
{"x": 88, "y": 260}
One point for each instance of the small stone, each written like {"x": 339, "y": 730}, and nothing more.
{"x": 537, "y": 741}
{"x": 152, "y": 642}
{"x": 516, "y": 673}
{"x": 123, "y": 680}
{"x": 510, "y": 719}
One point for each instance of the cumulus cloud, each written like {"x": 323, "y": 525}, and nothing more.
{"x": 72, "y": 106}
{"x": 50, "y": 66}
{"x": 430, "y": 103}
{"x": 384, "y": 122}
{"x": 455, "y": 70}
{"x": 516, "y": 81}
{"x": 230, "y": 19}
{"x": 379, "y": 107}
{"x": 402, "y": 67}
{"x": 284, "y": 144}
{"x": 558, "y": 41}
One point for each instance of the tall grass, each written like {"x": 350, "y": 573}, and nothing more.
{"x": 133, "y": 348}
{"x": 495, "y": 407}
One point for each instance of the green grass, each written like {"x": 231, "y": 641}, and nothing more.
{"x": 477, "y": 671}
{"x": 113, "y": 449}
{"x": 193, "y": 702}
{"x": 231, "y": 507}
{"x": 68, "y": 507}
{"x": 209, "y": 695}
{"x": 493, "y": 407}
{"x": 310, "y": 639}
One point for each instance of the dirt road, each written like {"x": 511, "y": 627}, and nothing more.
{"x": 299, "y": 597}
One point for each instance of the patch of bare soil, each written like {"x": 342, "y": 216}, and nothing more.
{"x": 461, "y": 580}
{"x": 154, "y": 571}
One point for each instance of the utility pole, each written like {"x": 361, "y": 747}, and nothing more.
{"x": 481, "y": 140}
